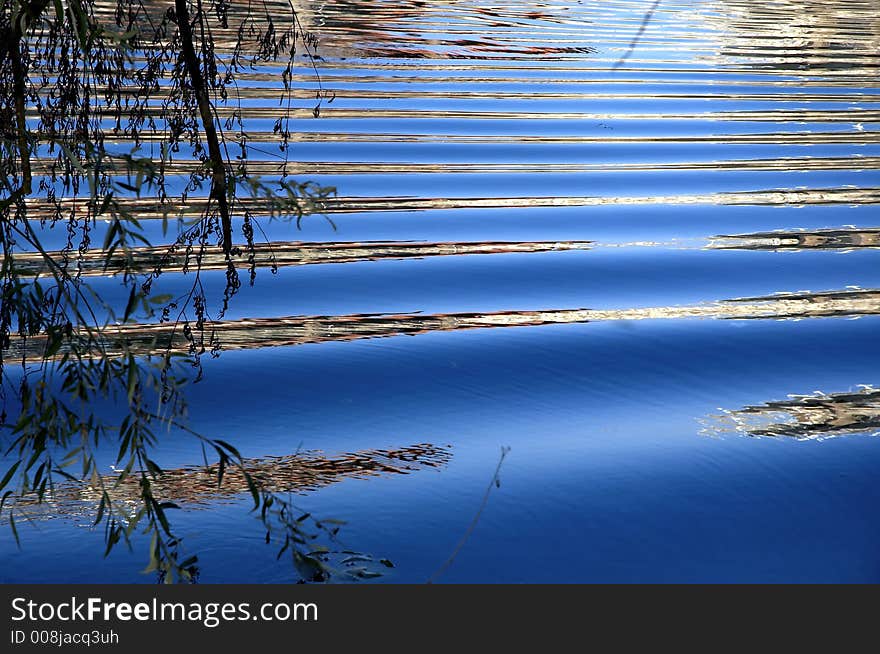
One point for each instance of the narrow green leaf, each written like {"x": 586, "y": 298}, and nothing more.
{"x": 132, "y": 378}
{"x": 3, "y": 500}
{"x": 74, "y": 161}
{"x": 69, "y": 457}
{"x": 221, "y": 469}
{"x": 66, "y": 475}
{"x": 154, "y": 548}
{"x": 101, "y": 508}
{"x": 9, "y": 474}
{"x": 153, "y": 468}
{"x": 190, "y": 562}
{"x": 252, "y": 487}
{"x": 228, "y": 448}
{"x": 132, "y": 301}
{"x": 14, "y": 530}
{"x": 112, "y": 538}
{"x": 53, "y": 345}
{"x": 160, "y": 515}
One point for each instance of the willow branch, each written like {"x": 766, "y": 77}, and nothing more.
{"x": 215, "y": 154}
{"x": 11, "y": 47}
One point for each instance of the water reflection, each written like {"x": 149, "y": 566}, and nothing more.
{"x": 851, "y": 238}
{"x": 823, "y": 36}
{"x": 196, "y": 486}
{"x": 291, "y": 253}
{"x": 297, "y": 330}
{"x": 149, "y": 209}
{"x": 263, "y": 168}
{"x": 474, "y": 128}
{"x": 438, "y": 30}
{"x": 803, "y": 417}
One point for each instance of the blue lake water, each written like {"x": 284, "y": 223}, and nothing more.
{"x": 590, "y": 184}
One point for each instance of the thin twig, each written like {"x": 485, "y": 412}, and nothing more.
{"x": 632, "y": 44}
{"x": 495, "y": 481}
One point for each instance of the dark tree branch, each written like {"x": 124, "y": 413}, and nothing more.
{"x": 11, "y": 47}
{"x": 200, "y": 88}
{"x": 20, "y": 115}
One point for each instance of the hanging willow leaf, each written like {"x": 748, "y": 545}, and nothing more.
{"x": 49, "y": 104}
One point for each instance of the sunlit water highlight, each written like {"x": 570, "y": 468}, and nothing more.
{"x": 681, "y": 234}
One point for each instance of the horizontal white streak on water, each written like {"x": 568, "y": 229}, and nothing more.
{"x": 784, "y": 97}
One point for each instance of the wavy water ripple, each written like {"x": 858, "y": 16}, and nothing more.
{"x": 676, "y": 205}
